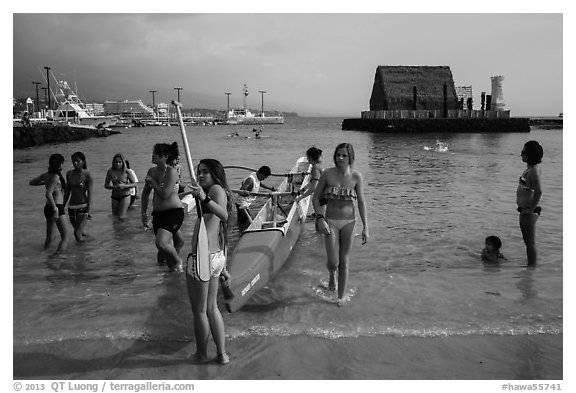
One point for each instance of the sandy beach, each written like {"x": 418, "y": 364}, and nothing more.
{"x": 534, "y": 357}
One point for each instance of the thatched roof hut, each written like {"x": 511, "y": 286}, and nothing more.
{"x": 394, "y": 88}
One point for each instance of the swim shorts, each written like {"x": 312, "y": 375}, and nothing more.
{"x": 170, "y": 220}
{"x": 49, "y": 211}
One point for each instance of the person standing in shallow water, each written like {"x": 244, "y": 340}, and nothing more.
{"x": 338, "y": 188}
{"x": 78, "y": 194}
{"x": 214, "y": 195}
{"x": 54, "y": 208}
{"x": 167, "y": 209}
{"x": 120, "y": 181}
{"x": 528, "y": 196}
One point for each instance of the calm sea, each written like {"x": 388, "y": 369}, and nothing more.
{"x": 420, "y": 275}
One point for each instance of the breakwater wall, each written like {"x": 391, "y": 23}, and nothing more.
{"x": 47, "y": 133}
{"x": 439, "y": 125}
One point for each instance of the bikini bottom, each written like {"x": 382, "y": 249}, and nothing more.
{"x": 49, "y": 211}
{"x": 170, "y": 220}
{"x": 339, "y": 224}
{"x": 119, "y": 198}
{"x": 74, "y": 212}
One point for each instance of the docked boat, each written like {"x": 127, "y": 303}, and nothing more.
{"x": 265, "y": 245}
{"x": 244, "y": 116}
{"x": 71, "y": 110}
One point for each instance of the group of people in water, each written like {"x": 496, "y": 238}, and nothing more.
{"x": 334, "y": 192}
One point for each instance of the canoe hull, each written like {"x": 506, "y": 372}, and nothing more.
{"x": 260, "y": 253}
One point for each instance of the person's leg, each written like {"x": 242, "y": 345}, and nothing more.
{"x": 528, "y": 228}
{"x": 331, "y": 242}
{"x": 115, "y": 205}
{"x": 346, "y": 241}
{"x": 79, "y": 227}
{"x": 216, "y": 322}
{"x": 123, "y": 205}
{"x": 62, "y": 228}
{"x": 50, "y": 226}
{"x": 198, "y": 295}
{"x": 165, "y": 245}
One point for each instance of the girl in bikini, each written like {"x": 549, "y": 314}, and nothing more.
{"x": 167, "y": 209}
{"x": 528, "y": 196}
{"x": 78, "y": 194}
{"x": 214, "y": 195}
{"x": 338, "y": 188}
{"x": 54, "y": 208}
{"x": 120, "y": 181}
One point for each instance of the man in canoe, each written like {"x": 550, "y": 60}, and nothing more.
{"x": 251, "y": 183}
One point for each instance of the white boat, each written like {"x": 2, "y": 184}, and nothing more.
{"x": 73, "y": 111}
{"x": 244, "y": 116}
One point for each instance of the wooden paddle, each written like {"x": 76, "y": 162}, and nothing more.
{"x": 200, "y": 268}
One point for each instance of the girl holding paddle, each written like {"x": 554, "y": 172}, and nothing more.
{"x": 338, "y": 188}
{"x": 214, "y": 196}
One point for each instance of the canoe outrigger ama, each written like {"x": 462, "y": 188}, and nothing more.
{"x": 265, "y": 245}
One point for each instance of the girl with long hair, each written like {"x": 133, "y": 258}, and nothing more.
{"x": 120, "y": 181}
{"x": 214, "y": 195}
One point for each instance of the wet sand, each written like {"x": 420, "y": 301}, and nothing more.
{"x": 533, "y": 357}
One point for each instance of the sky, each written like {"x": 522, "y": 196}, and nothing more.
{"x": 313, "y": 64}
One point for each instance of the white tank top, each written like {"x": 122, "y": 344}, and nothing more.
{"x": 245, "y": 202}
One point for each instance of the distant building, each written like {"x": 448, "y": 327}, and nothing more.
{"x": 464, "y": 93}
{"x": 413, "y": 88}
{"x": 95, "y": 109}
{"x": 128, "y": 108}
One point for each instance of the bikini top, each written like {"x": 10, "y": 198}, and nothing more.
{"x": 340, "y": 193}
{"x": 176, "y": 185}
{"x": 523, "y": 183}
{"x": 81, "y": 180}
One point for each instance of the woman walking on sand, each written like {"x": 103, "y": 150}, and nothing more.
{"x": 54, "y": 208}
{"x": 528, "y": 196}
{"x": 338, "y": 188}
{"x": 214, "y": 196}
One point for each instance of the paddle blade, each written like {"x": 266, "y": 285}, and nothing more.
{"x": 198, "y": 265}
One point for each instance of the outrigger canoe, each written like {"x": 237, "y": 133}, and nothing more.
{"x": 265, "y": 245}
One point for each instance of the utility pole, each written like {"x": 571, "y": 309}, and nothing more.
{"x": 45, "y": 95}
{"x": 153, "y": 103}
{"x": 228, "y": 104}
{"x": 48, "y": 81}
{"x": 178, "y": 89}
{"x": 262, "y": 92}
{"x": 37, "y": 100}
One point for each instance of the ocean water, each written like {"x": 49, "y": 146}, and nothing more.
{"x": 420, "y": 274}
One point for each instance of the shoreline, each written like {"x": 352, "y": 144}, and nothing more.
{"x": 533, "y": 357}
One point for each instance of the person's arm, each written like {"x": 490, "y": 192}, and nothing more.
{"x": 535, "y": 181}
{"x": 51, "y": 184}
{"x": 266, "y": 187}
{"x": 216, "y": 202}
{"x": 38, "y": 180}
{"x": 362, "y": 207}
{"x": 321, "y": 224}
{"x": 107, "y": 181}
{"x": 89, "y": 188}
{"x": 67, "y": 189}
{"x": 144, "y": 199}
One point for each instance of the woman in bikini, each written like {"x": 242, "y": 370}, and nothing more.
{"x": 167, "y": 209}
{"x": 214, "y": 196}
{"x": 54, "y": 208}
{"x": 78, "y": 194}
{"x": 528, "y": 196}
{"x": 120, "y": 181}
{"x": 338, "y": 188}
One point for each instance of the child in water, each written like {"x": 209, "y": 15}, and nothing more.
{"x": 491, "y": 252}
